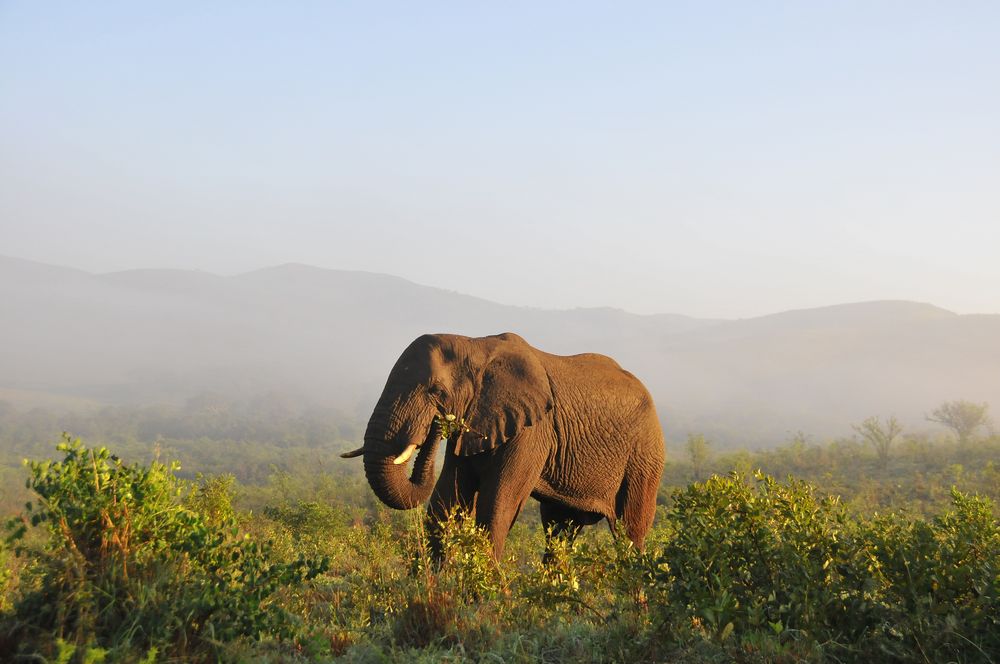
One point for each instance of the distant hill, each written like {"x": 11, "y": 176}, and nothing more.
{"x": 329, "y": 337}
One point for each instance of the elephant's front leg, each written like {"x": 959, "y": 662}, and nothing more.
{"x": 456, "y": 489}
{"x": 506, "y": 485}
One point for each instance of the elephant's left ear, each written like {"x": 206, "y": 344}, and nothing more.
{"x": 513, "y": 394}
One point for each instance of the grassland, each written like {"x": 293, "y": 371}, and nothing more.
{"x": 271, "y": 555}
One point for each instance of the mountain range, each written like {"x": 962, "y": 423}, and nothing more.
{"x": 74, "y": 339}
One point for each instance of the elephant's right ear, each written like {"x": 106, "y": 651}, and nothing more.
{"x": 513, "y": 393}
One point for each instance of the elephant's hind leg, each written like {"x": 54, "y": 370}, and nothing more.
{"x": 636, "y": 505}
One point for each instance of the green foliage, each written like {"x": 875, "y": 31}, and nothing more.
{"x": 124, "y": 564}
{"x": 468, "y": 567}
{"x": 776, "y": 559}
{"x": 940, "y": 579}
{"x": 764, "y": 557}
{"x": 213, "y": 497}
{"x": 129, "y": 562}
{"x": 449, "y": 425}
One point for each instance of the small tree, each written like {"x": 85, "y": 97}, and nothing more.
{"x": 880, "y": 436}
{"x": 797, "y": 448}
{"x": 962, "y": 417}
{"x": 699, "y": 451}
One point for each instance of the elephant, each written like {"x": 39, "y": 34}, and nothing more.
{"x": 578, "y": 433}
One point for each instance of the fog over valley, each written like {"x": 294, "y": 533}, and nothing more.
{"x": 313, "y": 337}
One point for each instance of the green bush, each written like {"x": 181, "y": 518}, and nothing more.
{"x": 940, "y": 580}
{"x": 212, "y": 498}
{"x": 770, "y": 562}
{"x": 769, "y": 557}
{"x": 125, "y": 565}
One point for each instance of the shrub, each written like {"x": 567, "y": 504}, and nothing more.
{"x": 767, "y": 557}
{"x": 124, "y": 565}
{"x": 212, "y": 498}
{"x": 774, "y": 564}
{"x": 941, "y": 580}
{"x": 467, "y": 569}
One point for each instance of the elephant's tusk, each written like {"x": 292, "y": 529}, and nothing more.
{"x": 354, "y": 453}
{"x": 405, "y": 456}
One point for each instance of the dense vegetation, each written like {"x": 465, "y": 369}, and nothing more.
{"x": 265, "y": 548}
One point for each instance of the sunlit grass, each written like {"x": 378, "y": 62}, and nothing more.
{"x": 736, "y": 568}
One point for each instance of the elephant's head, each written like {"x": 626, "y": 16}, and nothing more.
{"x": 496, "y": 386}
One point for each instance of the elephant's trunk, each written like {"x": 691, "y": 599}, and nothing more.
{"x": 389, "y": 481}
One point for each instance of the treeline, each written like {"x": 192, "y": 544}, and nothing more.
{"x": 918, "y": 475}
{"x": 271, "y": 440}
{"x": 273, "y": 419}
{"x": 209, "y": 434}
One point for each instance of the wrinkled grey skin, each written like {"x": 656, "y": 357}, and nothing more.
{"x": 578, "y": 433}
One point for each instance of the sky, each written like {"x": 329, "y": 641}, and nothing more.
{"x": 715, "y": 159}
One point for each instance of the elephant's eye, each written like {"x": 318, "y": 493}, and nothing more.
{"x": 436, "y": 390}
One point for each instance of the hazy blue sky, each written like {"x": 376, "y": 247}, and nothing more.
{"x": 707, "y": 158}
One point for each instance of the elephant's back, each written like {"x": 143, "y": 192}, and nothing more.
{"x": 592, "y": 376}
{"x": 592, "y": 360}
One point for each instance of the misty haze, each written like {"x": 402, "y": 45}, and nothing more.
{"x": 308, "y": 337}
